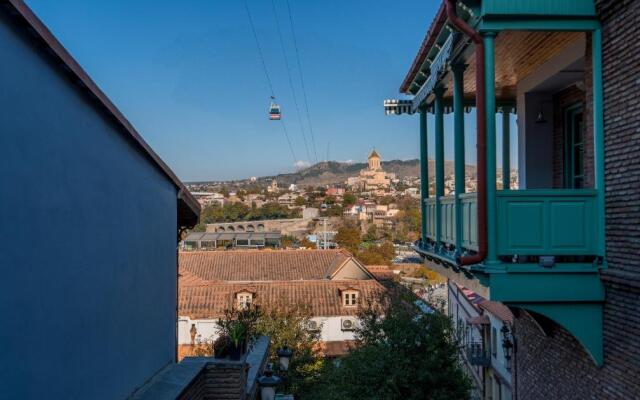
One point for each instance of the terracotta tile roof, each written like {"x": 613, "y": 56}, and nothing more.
{"x": 256, "y": 265}
{"x": 209, "y": 300}
{"x": 381, "y": 272}
{"x": 499, "y": 310}
{"x": 188, "y": 278}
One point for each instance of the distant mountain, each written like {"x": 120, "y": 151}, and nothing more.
{"x": 334, "y": 172}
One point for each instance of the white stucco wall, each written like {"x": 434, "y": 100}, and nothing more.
{"x": 207, "y": 329}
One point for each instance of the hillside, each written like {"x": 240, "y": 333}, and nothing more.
{"x": 333, "y": 172}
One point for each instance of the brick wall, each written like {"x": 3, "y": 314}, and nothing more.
{"x": 555, "y": 365}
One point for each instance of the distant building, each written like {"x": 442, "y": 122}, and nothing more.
{"x": 331, "y": 282}
{"x": 412, "y": 192}
{"x": 482, "y": 327}
{"x": 336, "y": 192}
{"x": 288, "y": 199}
{"x": 231, "y": 240}
{"x": 373, "y": 178}
{"x": 273, "y": 187}
{"x": 208, "y": 198}
{"x": 91, "y": 217}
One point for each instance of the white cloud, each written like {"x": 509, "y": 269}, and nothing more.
{"x": 302, "y": 164}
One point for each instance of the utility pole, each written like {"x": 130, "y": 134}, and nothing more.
{"x": 325, "y": 232}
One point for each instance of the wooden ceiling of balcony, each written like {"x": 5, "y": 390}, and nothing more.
{"x": 518, "y": 53}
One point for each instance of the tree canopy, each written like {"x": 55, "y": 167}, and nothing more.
{"x": 405, "y": 355}
{"x": 288, "y": 326}
{"x": 348, "y": 237}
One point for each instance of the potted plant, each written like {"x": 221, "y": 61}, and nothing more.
{"x": 221, "y": 346}
{"x": 237, "y": 335}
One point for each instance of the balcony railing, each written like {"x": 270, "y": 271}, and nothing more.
{"x": 547, "y": 222}
{"x": 535, "y": 222}
{"x": 478, "y": 355}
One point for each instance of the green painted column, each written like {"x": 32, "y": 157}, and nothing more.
{"x": 439, "y": 122}
{"x": 424, "y": 171}
{"x": 506, "y": 149}
{"x": 490, "y": 101}
{"x": 458, "y": 129}
{"x": 598, "y": 135}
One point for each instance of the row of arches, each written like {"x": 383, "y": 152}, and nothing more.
{"x": 241, "y": 228}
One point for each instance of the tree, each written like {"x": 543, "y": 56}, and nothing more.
{"x": 348, "y": 237}
{"x": 304, "y": 242}
{"x": 300, "y": 201}
{"x": 286, "y": 325}
{"x": 386, "y": 200}
{"x": 401, "y": 353}
{"x": 349, "y": 199}
{"x": 287, "y": 241}
{"x": 377, "y": 255}
{"x": 372, "y": 234}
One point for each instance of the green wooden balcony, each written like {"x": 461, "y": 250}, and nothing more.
{"x": 547, "y": 222}
{"x": 532, "y": 222}
{"x": 548, "y": 254}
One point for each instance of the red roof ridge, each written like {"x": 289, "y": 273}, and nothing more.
{"x": 243, "y": 251}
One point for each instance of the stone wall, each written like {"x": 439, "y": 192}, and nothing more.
{"x": 554, "y": 365}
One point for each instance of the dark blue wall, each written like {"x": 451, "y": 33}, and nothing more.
{"x": 87, "y": 240}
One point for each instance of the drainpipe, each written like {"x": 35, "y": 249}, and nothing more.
{"x": 481, "y": 145}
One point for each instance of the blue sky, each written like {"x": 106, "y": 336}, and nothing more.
{"x": 188, "y": 76}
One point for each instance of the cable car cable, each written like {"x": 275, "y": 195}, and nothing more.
{"x": 264, "y": 64}
{"x": 293, "y": 92}
{"x": 304, "y": 90}
{"x": 266, "y": 74}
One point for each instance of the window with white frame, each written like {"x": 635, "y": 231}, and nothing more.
{"x": 350, "y": 298}
{"x": 244, "y": 299}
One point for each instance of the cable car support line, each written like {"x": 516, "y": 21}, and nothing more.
{"x": 304, "y": 90}
{"x": 266, "y": 74}
{"x": 286, "y": 63}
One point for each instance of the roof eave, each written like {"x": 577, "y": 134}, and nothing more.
{"x": 430, "y": 38}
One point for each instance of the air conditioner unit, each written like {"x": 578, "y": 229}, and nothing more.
{"x": 313, "y": 326}
{"x": 348, "y": 324}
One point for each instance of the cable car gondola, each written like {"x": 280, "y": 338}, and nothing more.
{"x": 274, "y": 112}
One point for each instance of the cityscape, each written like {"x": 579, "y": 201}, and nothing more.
{"x": 498, "y": 262}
